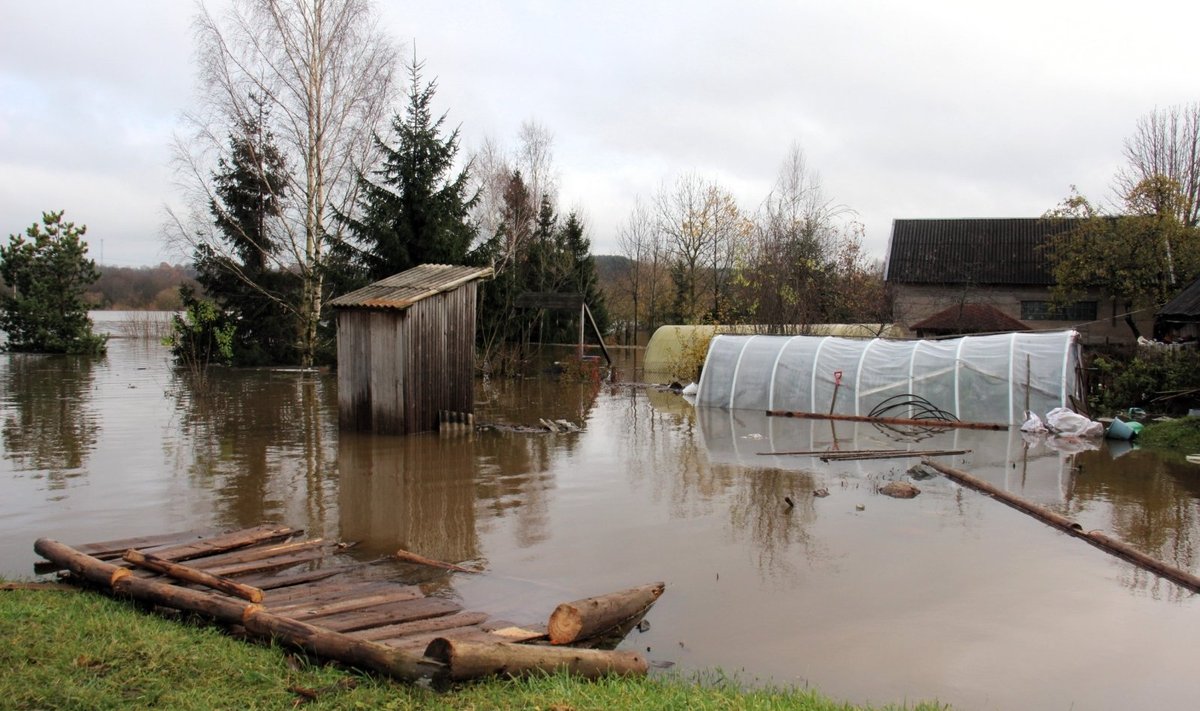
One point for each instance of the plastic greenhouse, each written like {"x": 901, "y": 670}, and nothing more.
{"x": 987, "y": 379}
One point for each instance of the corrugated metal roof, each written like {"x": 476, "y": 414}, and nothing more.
{"x": 970, "y": 318}
{"x": 1004, "y": 251}
{"x": 402, "y": 290}
{"x": 1185, "y": 306}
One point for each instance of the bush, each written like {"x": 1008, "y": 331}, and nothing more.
{"x": 46, "y": 272}
{"x": 1119, "y": 383}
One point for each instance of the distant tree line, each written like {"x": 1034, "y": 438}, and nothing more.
{"x": 140, "y": 288}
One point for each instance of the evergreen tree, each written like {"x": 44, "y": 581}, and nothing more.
{"x": 415, "y": 211}
{"x": 239, "y": 272}
{"x": 46, "y": 272}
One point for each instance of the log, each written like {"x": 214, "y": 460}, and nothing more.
{"x": 59, "y": 587}
{"x": 1104, "y": 542}
{"x": 1053, "y": 518}
{"x": 182, "y": 572}
{"x": 466, "y": 659}
{"x": 409, "y": 557}
{"x": 581, "y": 619}
{"x": 320, "y": 642}
{"x": 956, "y": 424}
{"x": 84, "y": 566}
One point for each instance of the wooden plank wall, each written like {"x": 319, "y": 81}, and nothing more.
{"x": 398, "y": 369}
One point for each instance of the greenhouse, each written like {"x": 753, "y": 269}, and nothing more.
{"x": 986, "y": 379}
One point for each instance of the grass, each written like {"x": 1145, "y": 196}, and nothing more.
{"x": 1182, "y": 435}
{"x": 80, "y": 650}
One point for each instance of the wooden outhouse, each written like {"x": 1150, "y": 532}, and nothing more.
{"x": 406, "y": 349}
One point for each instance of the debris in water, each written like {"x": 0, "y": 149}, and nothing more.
{"x": 788, "y": 500}
{"x": 821, "y": 493}
{"x": 899, "y": 490}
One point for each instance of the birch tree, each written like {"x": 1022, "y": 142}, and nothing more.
{"x": 1166, "y": 144}
{"x": 325, "y": 71}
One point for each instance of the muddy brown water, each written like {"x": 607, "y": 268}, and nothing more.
{"x": 948, "y": 596}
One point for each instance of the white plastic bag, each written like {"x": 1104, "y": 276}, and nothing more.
{"x": 1063, "y": 421}
{"x": 1032, "y": 423}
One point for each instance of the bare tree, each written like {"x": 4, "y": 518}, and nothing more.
{"x": 1166, "y": 144}
{"x": 698, "y": 222}
{"x": 325, "y": 70}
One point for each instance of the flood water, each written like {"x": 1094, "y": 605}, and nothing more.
{"x": 949, "y": 596}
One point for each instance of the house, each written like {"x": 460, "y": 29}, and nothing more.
{"x": 936, "y": 264}
{"x": 1178, "y": 321}
{"x": 406, "y": 349}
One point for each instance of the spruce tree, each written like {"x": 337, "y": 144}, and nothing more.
{"x": 45, "y": 273}
{"x": 240, "y": 274}
{"x": 415, "y": 210}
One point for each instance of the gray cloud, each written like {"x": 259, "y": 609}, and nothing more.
{"x": 919, "y": 109}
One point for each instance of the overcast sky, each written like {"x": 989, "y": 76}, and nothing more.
{"x": 905, "y": 109}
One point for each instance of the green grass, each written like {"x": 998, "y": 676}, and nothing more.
{"x": 1182, "y": 435}
{"x": 80, "y": 650}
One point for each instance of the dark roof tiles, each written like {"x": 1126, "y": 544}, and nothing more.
{"x": 978, "y": 251}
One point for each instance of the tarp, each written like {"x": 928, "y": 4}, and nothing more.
{"x": 989, "y": 379}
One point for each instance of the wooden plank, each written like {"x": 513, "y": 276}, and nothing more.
{"x": 389, "y": 614}
{"x": 274, "y": 563}
{"x": 325, "y": 591}
{"x": 399, "y": 593}
{"x": 302, "y": 578}
{"x": 256, "y": 552}
{"x": 226, "y": 541}
{"x": 107, "y": 550}
{"x": 431, "y": 624}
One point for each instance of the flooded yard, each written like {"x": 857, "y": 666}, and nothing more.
{"x": 948, "y": 596}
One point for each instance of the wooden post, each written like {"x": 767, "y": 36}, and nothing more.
{"x": 573, "y": 621}
{"x": 471, "y": 660}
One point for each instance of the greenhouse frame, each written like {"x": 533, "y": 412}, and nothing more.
{"x": 990, "y": 379}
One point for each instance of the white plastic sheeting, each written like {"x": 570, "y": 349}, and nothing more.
{"x": 976, "y": 378}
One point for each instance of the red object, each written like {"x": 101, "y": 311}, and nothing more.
{"x": 837, "y": 377}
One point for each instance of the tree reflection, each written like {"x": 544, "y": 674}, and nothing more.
{"x": 1149, "y": 502}
{"x": 261, "y": 441}
{"x": 49, "y": 422}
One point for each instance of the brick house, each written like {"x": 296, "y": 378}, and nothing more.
{"x": 936, "y": 264}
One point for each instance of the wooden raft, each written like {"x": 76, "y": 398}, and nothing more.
{"x": 252, "y": 578}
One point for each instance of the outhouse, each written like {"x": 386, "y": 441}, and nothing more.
{"x": 406, "y": 349}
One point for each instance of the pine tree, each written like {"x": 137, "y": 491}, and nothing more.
{"x": 45, "y": 273}
{"x": 415, "y": 211}
{"x": 239, "y": 272}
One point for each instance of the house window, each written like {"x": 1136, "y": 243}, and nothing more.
{"x": 1046, "y": 311}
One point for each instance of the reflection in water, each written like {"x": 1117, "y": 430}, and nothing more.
{"x": 1146, "y": 500}
{"x": 261, "y": 440}
{"x": 49, "y": 422}
{"x": 434, "y": 494}
{"x": 415, "y": 492}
